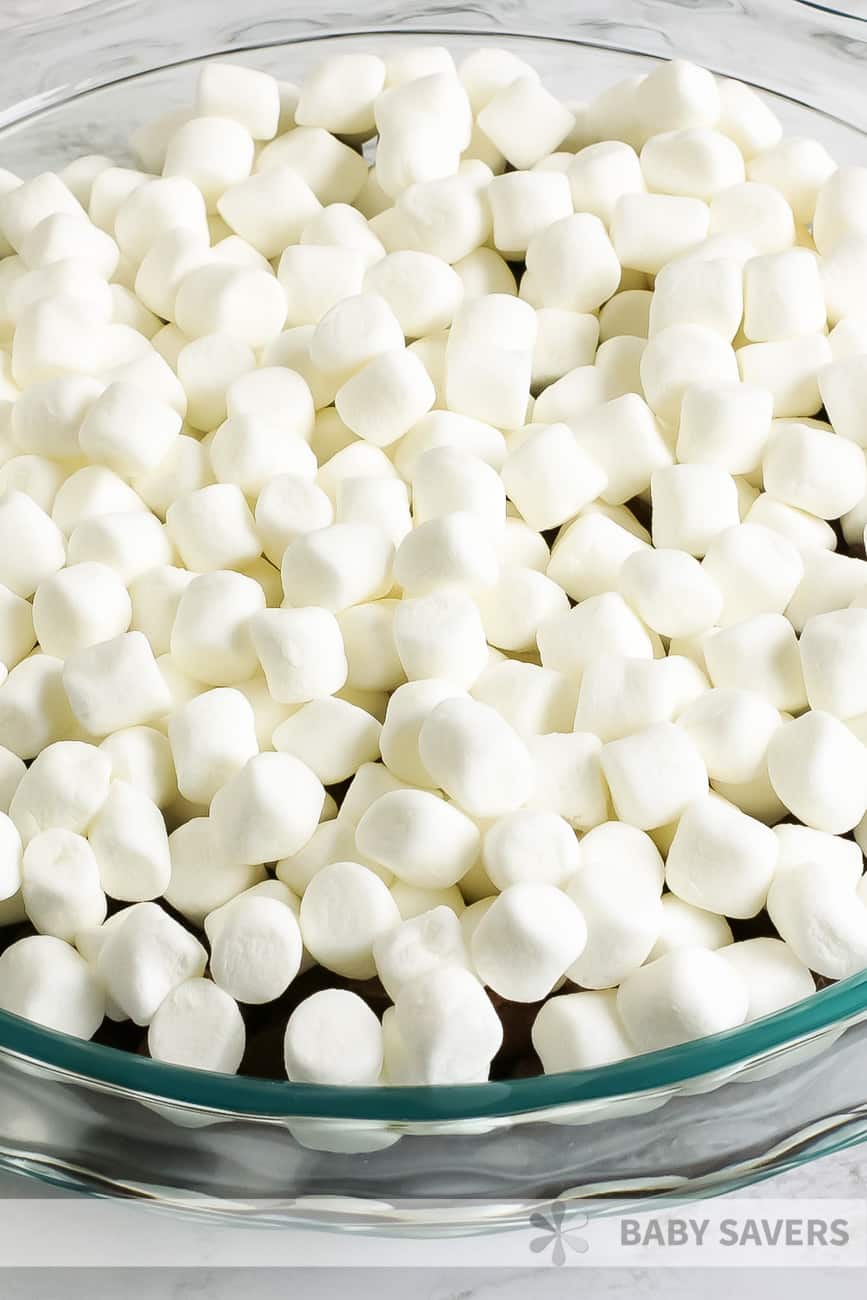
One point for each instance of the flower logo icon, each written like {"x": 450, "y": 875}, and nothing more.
{"x": 556, "y": 1236}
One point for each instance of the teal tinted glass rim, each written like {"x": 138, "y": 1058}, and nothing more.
{"x": 265, "y": 1098}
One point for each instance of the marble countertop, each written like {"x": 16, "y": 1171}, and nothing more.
{"x": 842, "y": 1175}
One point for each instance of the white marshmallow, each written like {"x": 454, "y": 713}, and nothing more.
{"x": 198, "y": 1025}
{"x": 12, "y": 769}
{"x": 579, "y": 1031}
{"x": 489, "y": 359}
{"x": 524, "y": 121}
{"x": 34, "y": 708}
{"x": 565, "y": 339}
{"x": 407, "y": 710}
{"x": 620, "y": 695}
{"x": 600, "y": 625}
{"x": 449, "y": 217}
{"x": 345, "y": 909}
{"x": 692, "y": 161}
{"x": 170, "y": 255}
{"x": 250, "y": 450}
{"x": 115, "y": 684}
{"x": 422, "y": 839}
{"x": 423, "y": 291}
{"x": 245, "y": 94}
{"x": 60, "y": 884}
{"x": 568, "y": 778}
{"x": 335, "y": 172}
{"x": 288, "y": 507}
{"x": 819, "y": 770}
{"x": 798, "y": 167}
{"x": 530, "y": 846}
{"x": 211, "y": 737}
{"x": 268, "y": 810}
{"x": 755, "y": 569}
{"x": 211, "y": 636}
{"x": 815, "y": 470}
{"x": 672, "y": 359}
{"x": 476, "y": 757}
{"x": 821, "y": 918}
{"x": 692, "y": 291}
{"x": 687, "y": 993}
{"x": 256, "y": 947}
{"x": 844, "y": 274}
{"x": 450, "y": 551}
{"x": 368, "y": 643}
{"x": 202, "y": 878}
{"x": 207, "y": 367}
{"x": 244, "y": 302}
{"x": 671, "y": 592}
{"x": 650, "y": 230}
{"x": 383, "y": 400}
{"x": 63, "y": 788}
{"x": 720, "y": 859}
{"x": 746, "y": 118}
{"x": 128, "y": 430}
{"x": 130, "y": 543}
{"x": 213, "y": 528}
{"x": 843, "y": 388}
{"x": 756, "y": 212}
{"x": 47, "y": 981}
{"x": 685, "y": 926}
{"x": 142, "y": 757}
{"x": 17, "y": 634}
{"x": 831, "y": 581}
{"x": 789, "y": 368}
{"x": 532, "y": 699}
{"x": 783, "y": 296}
{"x": 732, "y": 729}
{"x": 421, "y": 944}
{"x": 484, "y": 271}
{"x": 589, "y": 554}
{"x": 832, "y": 648}
{"x": 515, "y": 607}
{"x": 653, "y": 774}
{"x": 550, "y": 478}
{"x": 213, "y": 152}
{"x": 447, "y": 1028}
{"x": 46, "y": 418}
{"x": 333, "y": 1038}
{"x": 839, "y": 213}
{"x": 145, "y": 955}
{"x": 10, "y": 858}
{"x": 773, "y": 974}
{"x": 725, "y": 425}
{"x": 446, "y": 479}
{"x": 31, "y": 545}
{"x": 331, "y": 736}
{"x": 623, "y": 438}
{"x": 527, "y": 940}
{"x": 440, "y": 635}
{"x": 23, "y": 206}
{"x": 619, "y": 900}
{"x": 154, "y": 596}
{"x": 692, "y": 504}
{"x": 627, "y": 313}
{"x": 128, "y": 837}
{"x": 301, "y": 652}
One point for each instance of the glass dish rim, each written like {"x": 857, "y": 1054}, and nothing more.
{"x": 239, "y": 1096}
{"x": 250, "y": 1096}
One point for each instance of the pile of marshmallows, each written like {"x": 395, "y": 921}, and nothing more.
{"x": 487, "y": 479}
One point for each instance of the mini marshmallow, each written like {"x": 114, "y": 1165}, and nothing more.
{"x": 446, "y": 479}
{"x": 288, "y": 507}
{"x": 774, "y": 976}
{"x": 211, "y": 637}
{"x": 484, "y": 271}
{"x": 60, "y": 884}
{"x": 601, "y": 624}
{"x": 245, "y": 94}
{"x": 449, "y": 217}
{"x": 63, "y": 788}
{"x": 128, "y": 838}
{"x": 732, "y": 729}
{"x": 653, "y": 774}
{"x": 333, "y": 1038}
{"x": 115, "y": 684}
{"x": 128, "y": 430}
{"x": 440, "y": 635}
{"x": 685, "y": 926}
{"x": 832, "y": 650}
{"x": 819, "y": 770}
{"x": 530, "y": 846}
{"x": 17, "y": 634}
{"x": 208, "y": 367}
{"x": 256, "y": 947}
{"x": 589, "y": 554}
{"x": 46, "y": 981}
{"x": 673, "y": 358}
{"x": 489, "y": 359}
{"x": 142, "y": 757}
{"x": 170, "y": 255}
{"x": 23, "y": 206}
{"x": 31, "y": 545}
{"x": 417, "y": 946}
{"x": 579, "y": 1031}
{"x": 91, "y": 492}
{"x": 407, "y": 710}
{"x": 383, "y": 400}
{"x": 565, "y": 339}
{"x": 756, "y": 212}
{"x": 145, "y": 955}
{"x": 10, "y": 858}
{"x": 671, "y": 592}
{"x": 821, "y": 918}
{"x": 211, "y": 738}
{"x": 334, "y": 172}
{"x": 650, "y": 230}
{"x": 725, "y": 425}
{"x": 423, "y": 291}
{"x": 568, "y": 778}
{"x": 842, "y": 388}
{"x": 12, "y": 769}
{"x": 198, "y": 1025}
{"x": 345, "y": 909}
{"x": 244, "y": 302}
{"x": 357, "y": 459}
{"x": 720, "y": 859}
{"x": 46, "y": 418}
{"x": 692, "y": 291}
{"x": 814, "y": 470}
{"x": 450, "y": 551}
{"x": 448, "y": 429}
{"x": 619, "y": 900}
{"x": 783, "y": 296}
{"x": 623, "y": 437}
{"x": 524, "y": 121}
{"x": 34, "y": 707}
{"x": 755, "y": 569}
{"x": 331, "y": 736}
{"x": 130, "y": 543}
{"x": 268, "y": 810}
{"x": 269, "y": 210}
{"x": 213, "y": 528}
{"x": 621, "y": 695}
{"x": 789, "y": 368}
{"x": 527, "y": 940}
{"x": 368, "y": 643}
{"x": 831, "y": 581}
{"x": 476, "y": 757}
{"x": 532, "y": 699}
{"x": 154, "y": 597}
{"x": 692, "y": 504}
{"x": 202, "y": 878}
{"x": 839, "y": 213}
{"x": 250, "y": 450}
{"x": 627, "y": 313}
{"x": 759, "y": 654}
{"x": 212, "y": 152}
{"x": 515, "y": 607}
{"x": 687, "y": 993}
{"x": 422, "y": 839}
{"x": 301, "y": 652}
{"x": 550, "y": 478}
{"x": 447, "y": 1028}
{"x": 695, "y": 162}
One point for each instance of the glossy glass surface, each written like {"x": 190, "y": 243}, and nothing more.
{"x": 698, "y": 1118}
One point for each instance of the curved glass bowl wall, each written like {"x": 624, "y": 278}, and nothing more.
{"x": 700, "y": 1118}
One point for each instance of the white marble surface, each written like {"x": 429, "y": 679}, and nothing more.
{"x": 843, "y": 1175}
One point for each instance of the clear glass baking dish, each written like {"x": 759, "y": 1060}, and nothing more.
{"x": 700, "y": 1118}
